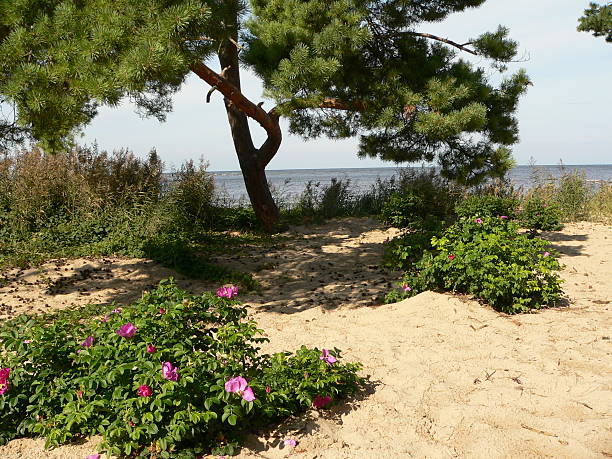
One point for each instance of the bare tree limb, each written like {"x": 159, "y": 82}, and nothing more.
{"x": 460, "y": 46}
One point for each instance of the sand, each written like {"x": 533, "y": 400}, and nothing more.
{"x": 447, "y": 376}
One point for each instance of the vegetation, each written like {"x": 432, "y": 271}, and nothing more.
{"x": 366, "y": 68}
{"x": 488, "y": 258}
{"x": 172, "y": 375}
{"x": 598, "y": 20}
{"x": 94, "y": 203}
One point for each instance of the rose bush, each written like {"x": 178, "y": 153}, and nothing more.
{"x": 172, "y": 375}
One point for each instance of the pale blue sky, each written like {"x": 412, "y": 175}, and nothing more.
{"x": 566, "y": 116}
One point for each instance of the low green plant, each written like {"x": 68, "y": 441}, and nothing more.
{"x": 487, "y": 205}
{"x": 403, "y": 252}
{"x": 599, "y": 207}
{"x": 539, "y": 215}
{"x": 171, "y": 375}
{"x": 488, "y": 258}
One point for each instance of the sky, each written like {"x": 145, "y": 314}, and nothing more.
{"x": 564, "y": 117}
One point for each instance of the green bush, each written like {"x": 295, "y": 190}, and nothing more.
{"x": 155, "y": 378}
{"x": 488, "y": 258}
{"x": 487, "y": 205}
{"x": 403, "y": 252}
{"x": 539, "y": 215}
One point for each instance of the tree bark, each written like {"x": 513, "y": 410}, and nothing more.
{"x": 253, "y": 161}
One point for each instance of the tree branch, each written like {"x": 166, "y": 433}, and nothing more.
{"x": 462, "y": 47}
{"x": 269, "y": 121}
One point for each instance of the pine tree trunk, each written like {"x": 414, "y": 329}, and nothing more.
{"x": 252, "y": 161}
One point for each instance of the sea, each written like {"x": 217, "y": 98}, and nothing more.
{"x": 290, "y": 183}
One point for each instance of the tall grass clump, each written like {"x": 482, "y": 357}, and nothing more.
{"x": 86, "y": 202}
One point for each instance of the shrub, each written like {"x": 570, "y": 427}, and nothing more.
{"x": 403, "y": 252}
{"x": 172, "y": 375}
{"x": 600, "y": 205}
{"x": 487, "y": 205}
{"x": 424, "y": 200}
{"x": 487, "y": 257}
{"x": 537, "y": 214}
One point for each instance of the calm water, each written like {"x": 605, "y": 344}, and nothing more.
{"x": 291, "y": 182}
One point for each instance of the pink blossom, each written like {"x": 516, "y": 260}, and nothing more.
{"x": 478, "y": 220}
{"x": 546, "y": 254}
{"x": 290, "y": 442}
{"x": 240, "y": 386}
{"x": 268, "y": 389}
{"x": 151, "y": 349}
{"x": 406, "y": 288}
{"x": 504, "y": 217}
{"x": 451, "y": 257}
{"x": 132, "y": 424}
{"x": 327, "y": 357}
{"x": 320, "y": 402}
{"x": 88, "y": 341}
{"x": 169, "y": 371}
{"x": 144, "y": 391}
{"x": 93, "y": 456}
{"x": 4, "y": 375}
{"x": 116, "y": 311}
{"x": 248, "y": 394}
{"x": 104, "y": 319}
{"x": 162, "y": 311}
{"x": 227, "y": 292}
{"x": 27, "y": 341}
{"x": 79, "y": 394}
{"x": 127, "y": 330}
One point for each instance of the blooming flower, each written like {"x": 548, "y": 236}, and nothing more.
{"x": 406, "y": 288}
{"x": 144, "y": 391}
{"x": 116, "y": 311}
{"x": 127, "y": 330}
{"x": 327, "y": 357}
{"x": 162, "y": 311}
{"x": 504, "y": 217}
{"x": 478, "y": 220}
{"x": 105, "y": 318}
{"x": 169, "y": 371}
{"x": 546, "y": 254}
{"x": 240, "y": 386}
{"x": 290, "y": 442}
{"x": 451, "y": 257}
{"x": 151, "y": 349}
{"x": 93, "y": 456}
{"x": 88, "y": 341}
{"x": 79, "y": 394}
{"x": 4, "y": 375}
{"x": 268, "y": 389}
{"x": 320, "y": 402}
{"x": 27, "y": 341}
{"x": 227, "y": 292}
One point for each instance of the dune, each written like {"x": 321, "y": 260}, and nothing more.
{"x": 446, "y": 375}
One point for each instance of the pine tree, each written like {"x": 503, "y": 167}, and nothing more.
{"x": 597, "y": 19}
{"x": 339, "y": 68}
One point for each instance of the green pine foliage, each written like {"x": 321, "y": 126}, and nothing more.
{"x": 339, "y": 68}
{"x": 598, "y": 20}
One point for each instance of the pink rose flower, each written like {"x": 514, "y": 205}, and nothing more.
{"x": 327, "y": 357}
{"x": 478, "y": 220}
{"x": 546, "y": 254}
{"x": 127, "y": 330}
{"x": 451, "y": 257}
{"x": 93, "y": 456}
{"x": 240, "y": 386}
{"x": 504, "y": 217}
{"x": 320, "y": 402}
{"x": 88, "y": 341}
{"x": 268, "y": 389}
{"x": 169, "y": 371}
{"x": 151, "y": 349}
{"x": 162, "y": 311}
{"x": 290, "y": 442}
{"x": 227, "y": 292}
{"x": 4, "y": 376}
{"x": 406, "y": 288}
{"x": 144, "y": 391}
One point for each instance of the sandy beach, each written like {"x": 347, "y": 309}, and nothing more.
{"x": 447, "y": 376}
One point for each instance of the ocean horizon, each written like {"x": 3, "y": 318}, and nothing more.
{"x": 291, "y": 182}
